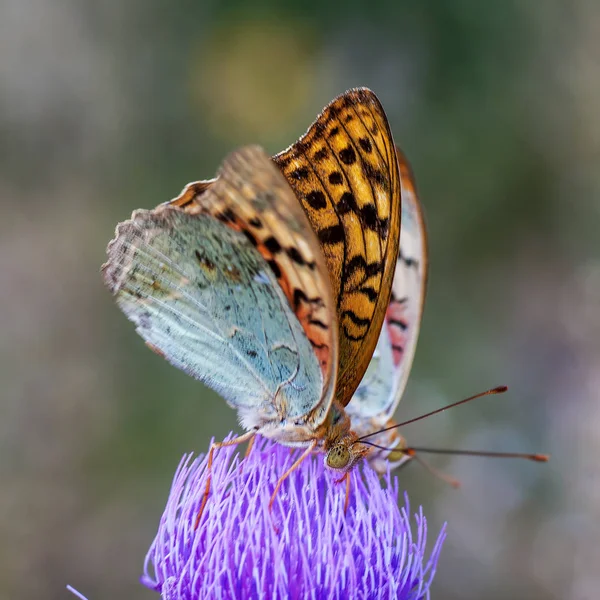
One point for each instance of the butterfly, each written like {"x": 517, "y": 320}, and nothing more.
{"x": 286, "y": 285}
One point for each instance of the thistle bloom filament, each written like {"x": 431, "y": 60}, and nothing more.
{"x": 306, "y": 547}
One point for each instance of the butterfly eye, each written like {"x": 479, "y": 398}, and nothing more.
{"x": 338, "y": 457}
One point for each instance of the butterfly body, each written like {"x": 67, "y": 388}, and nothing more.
{"x": 272, "y": 283}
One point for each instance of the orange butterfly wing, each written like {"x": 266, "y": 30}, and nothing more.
{"x": 345, "y": 173}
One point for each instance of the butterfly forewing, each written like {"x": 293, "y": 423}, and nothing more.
{"x": 384, "y": 383}
{"x": 265, "y": 210}
{"x": 202, "y": 295}
{"x": 345, "y": 173}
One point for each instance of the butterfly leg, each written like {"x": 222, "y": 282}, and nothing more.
{"x": 347, "y": 500}
{"x": 249, "y": 435}
{"x": 435, "y": 472}
{"x": 345, "y": 478}
{"x": 298, "y": 462}
{"x": 250, "y": 446}
{"x": 247, "y": 453}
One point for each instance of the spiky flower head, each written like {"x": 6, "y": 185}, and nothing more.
{"x": 306, "y": 547}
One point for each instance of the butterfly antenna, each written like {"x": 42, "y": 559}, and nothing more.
{"x": 497, "y": 390}
{"x": 412, "y": 454}
{"x": 412, "y": 451}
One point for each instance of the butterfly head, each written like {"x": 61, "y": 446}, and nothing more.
{"x": 344, "y": 453}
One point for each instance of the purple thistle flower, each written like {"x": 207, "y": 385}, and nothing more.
{"x": 305, "y": 548}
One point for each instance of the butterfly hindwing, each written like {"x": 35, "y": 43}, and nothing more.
{"x": 374, "y": 393}
{"x": 345, "y": 174}
{"x": 201, "y": 294}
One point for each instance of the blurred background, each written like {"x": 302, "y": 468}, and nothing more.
{"x": 110, "y": 106}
